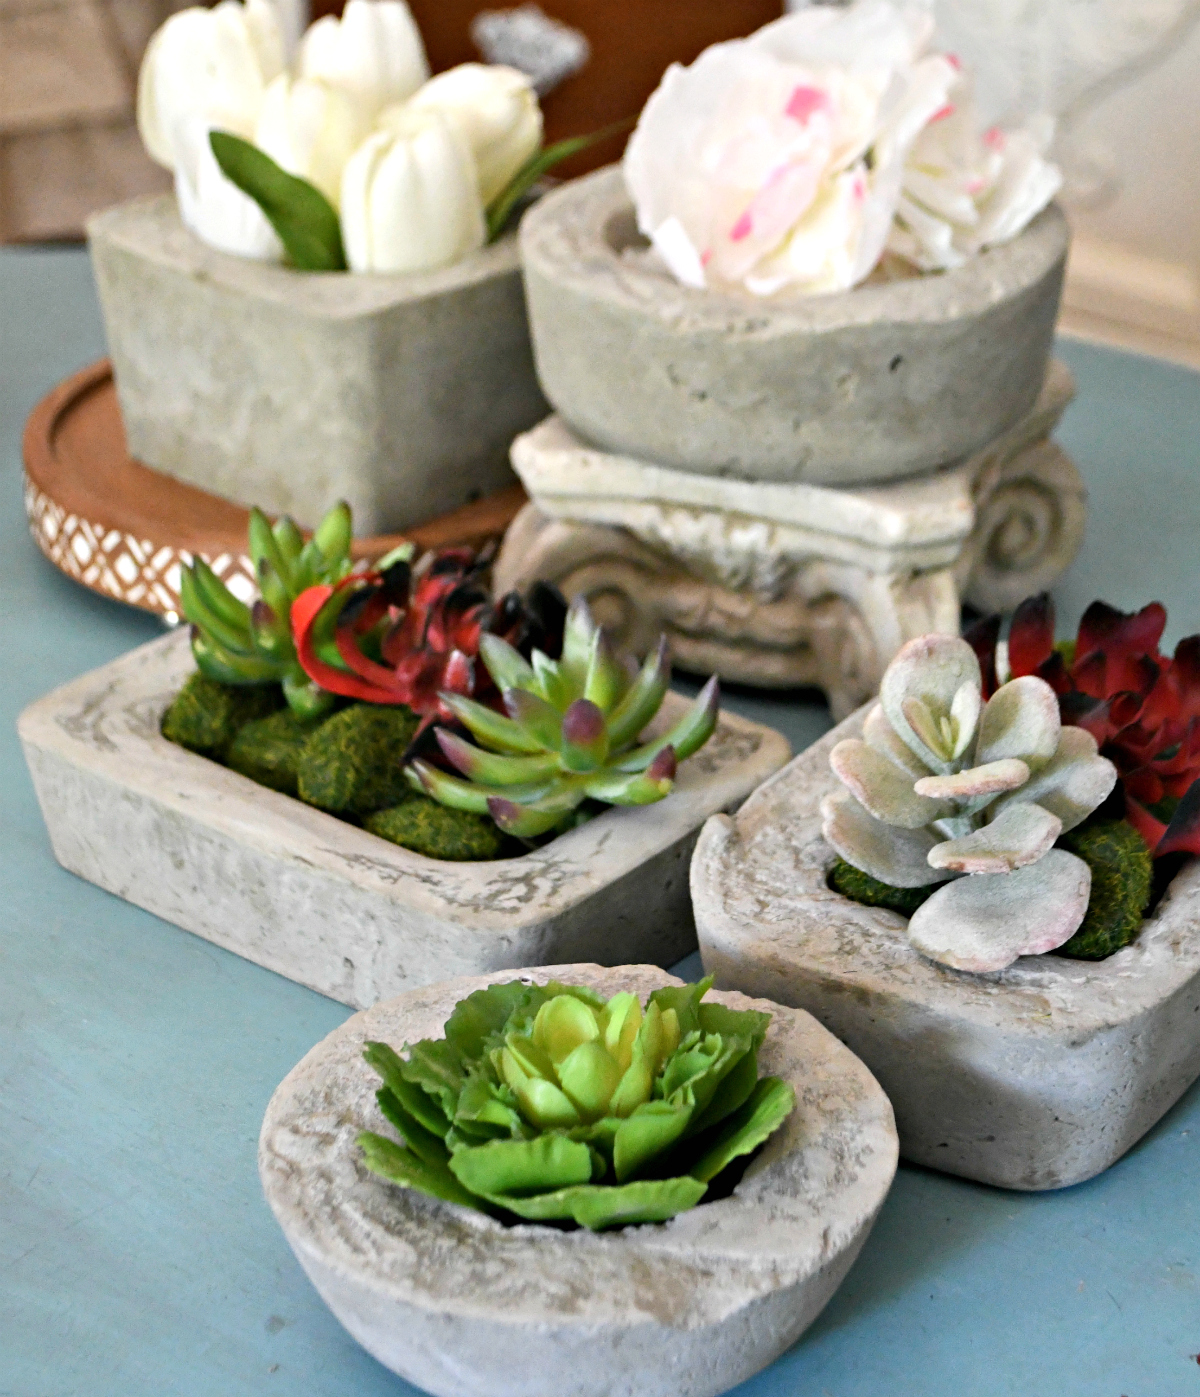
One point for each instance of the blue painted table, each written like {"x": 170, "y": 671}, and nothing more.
{"x": 136, "y": 1253}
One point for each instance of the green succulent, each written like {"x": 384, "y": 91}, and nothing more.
{"x": 238, "y": 644}
{"x": 548, "y": 1103}
{"x": 569, "y": 734}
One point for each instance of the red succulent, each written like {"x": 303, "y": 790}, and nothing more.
{"x": 1142, "y": 707}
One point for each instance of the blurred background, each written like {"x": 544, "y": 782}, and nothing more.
{"x": 1121, "y": 78}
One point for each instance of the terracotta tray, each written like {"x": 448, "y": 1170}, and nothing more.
{"x": 123, "y": 529}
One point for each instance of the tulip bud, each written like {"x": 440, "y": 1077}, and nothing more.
{"x": 311, "y": 129}
{"x": 374, "y": 52}
{"x": 213, "y": 64}
{"x": 496, "y": 110}
{"x": 212, "y": 206}
{"x": 410, "y": 198}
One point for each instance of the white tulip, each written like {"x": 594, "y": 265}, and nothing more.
{"x": 214, "y": 64}
{"x": 212, "y": 206}
{"x": 374, "y": 51}
{"x": 311, "y": 129}
{"x": 497, "y": 111}
{"x": 410, "y": 197}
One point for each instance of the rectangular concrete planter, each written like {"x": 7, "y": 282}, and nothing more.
{"x": 330, "y": 905}
{"x": 292, "y": 390}
{"x": 1035, "y": 1077}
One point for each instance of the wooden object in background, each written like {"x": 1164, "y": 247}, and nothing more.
{"x": 124, "y": 530}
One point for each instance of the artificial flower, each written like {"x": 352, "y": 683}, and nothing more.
{"x": 373, "y": 52}
{"x": 311, "y": 129}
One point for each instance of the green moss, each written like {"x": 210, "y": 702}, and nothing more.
{"x": 1121, "y": 873}
{"x": 352, "y": 763}
{"x": 426, "y": 827}
{"x": 268, "y": 750}
{"x": 206, "y": 716}
{"x": 851, "y": 882}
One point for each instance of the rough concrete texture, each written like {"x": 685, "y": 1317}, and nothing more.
{"x": 871, "y": 384}
{"x": 1033, "y": 1077}
{"x": 330, "y": 905}
{"x": 463, "y": 1306}
{"x": 292, "y": 390}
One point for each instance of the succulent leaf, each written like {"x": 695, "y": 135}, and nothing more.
{"x": 643, "y": 699}
{"x": 687, "y": 736}
{"x": 526, "y": 817}
{"x": 930, "y": 671}
{"x": 538, "y": 718}
{"x": 584, "y": 737}
{"x": 492, "y": 768}
{"x": 1019, "y": 835}
{"x": 1073, "y": 783}
{"x": 493, "y": 729}
{"x": 578, "y": 638}
{"x": 885, "y": 791}
{"x": 768, "y": 1105}
{"x": 507, "y": 666}
{"x": 607, "y": 678}
{"x": 898, "y": 857}
{"x": 1020, "y": 720}
{"x": 880, "y": 736}
{"x": 987, "y": 780}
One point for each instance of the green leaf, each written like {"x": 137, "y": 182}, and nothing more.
{"x": 305, "y": 220}
{"x": 435, "y": 1066}
{"x": 598, "y": 1206}
{"x": 685, "y": 1000}
{"x": 733, "y": 1091}
{"x": 746, "y": 1023}
{"x": 422, "y": 1106}
{"x": 482, "y": 1105}
{"x": 520, "y": 1167}
{"x": 484, "y": 1013}
{"x": 769, "y": 1105}
{"x": 427, "y": 1146}
{"x": 400, "y": 1166}
{"x": 538, "y": 164}
{"x": 648, "y": 1134}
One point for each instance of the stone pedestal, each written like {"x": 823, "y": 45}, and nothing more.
{"x": 782, "y": 585}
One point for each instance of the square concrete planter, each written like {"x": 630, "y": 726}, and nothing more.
{"x": 292, "y": 390}
{"x": 463, "y": 1306}
{"x": 328, "y": 904}
{"x": 1034, "y": 1077}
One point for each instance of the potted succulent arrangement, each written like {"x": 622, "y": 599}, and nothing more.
{"x": 431, "y": 781}
{"x": 990, "y": 891}
{"x": 331, "y": 305}
{"x": 607, "y": 1181}
{"x": 814, "y": 264}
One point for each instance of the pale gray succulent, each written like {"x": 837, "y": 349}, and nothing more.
{"x": 946, "y": 789}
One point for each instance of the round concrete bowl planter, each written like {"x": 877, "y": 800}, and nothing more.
{"x": 876, "y": 383}
{"x": 291, "y": 390}
{"x": 1035, "y": 1077}
{"x": 330, "y": 905}
{"x": 463, "y": 1306}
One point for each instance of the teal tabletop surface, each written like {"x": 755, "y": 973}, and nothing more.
{"x": 136, "y": 1253}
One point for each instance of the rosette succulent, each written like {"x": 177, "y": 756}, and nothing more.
{"x": 945, "y": 789}
{"x": 569, "y": 733}
{"x": 238, "y": 644}
{"x": 547, "y": 1103}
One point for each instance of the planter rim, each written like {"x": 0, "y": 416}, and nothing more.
{"x": 772, "y": 1231}
{"x": 583, "y": 257}
{"x": 872, "y": 944}
{"x": 329, "y": 295}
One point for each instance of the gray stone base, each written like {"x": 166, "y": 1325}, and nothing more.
{"x": 1035, "y": 1077}
{"x": 463, "y": 1306}
{"x": 330, "y": 905}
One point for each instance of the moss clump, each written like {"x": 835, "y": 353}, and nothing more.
{"x": 205, "y": 716}
{"x": 268, "y": 750}
{"x": 425, "y": 827}
{"x": 352, "y": 764}
{"x": 851, "y": 882}
{"x": 1121, "y": 876}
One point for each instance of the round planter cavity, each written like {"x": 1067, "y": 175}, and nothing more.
{"x": 884, "y": 381}
{"x": 463, "y": 1306}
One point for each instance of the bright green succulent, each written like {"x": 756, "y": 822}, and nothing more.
{"x": 569, "y": 734}
{"x": 238, "y": 644}
{"x": 550, "y": 1104}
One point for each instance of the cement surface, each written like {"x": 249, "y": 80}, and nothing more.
{"x": 871, "y": 384}
{"x": 335, "y": 907}
{"x": 1033, "y": 1077}
{"x": 292, "y": 390}
{"x": 463, "y": 1306}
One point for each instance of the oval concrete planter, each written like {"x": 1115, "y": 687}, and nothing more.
{"x": 463, "y": 1306}
{"x": 1033, "y": 1077}
{"x": 871, "y": 384}
{"x": 292, "y": 390}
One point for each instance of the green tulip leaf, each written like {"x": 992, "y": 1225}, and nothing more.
{"x": 521, "y": 1167}
{"x": 420, "y": 1105}
{"x": 648, "y": 1134}
{"x": 766, "y": 1109}
{"x": 401, "y": 1166}
{"x": 428, "y": 1147}
{"x": 305, "y": 220}
{"x": 598, "y": 1206}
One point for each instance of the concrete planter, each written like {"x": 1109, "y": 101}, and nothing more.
{"x": 1035, "y": 1077}
{"x": 463, "y": 1306}
{"x": 292, "y": 390}
{"x": 871, "y": 384}
{"x": 328, "y": 904}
